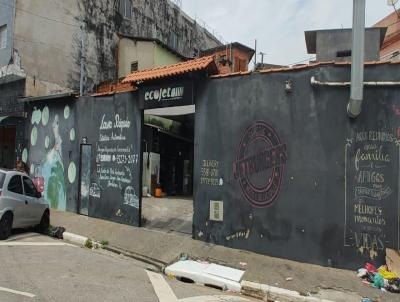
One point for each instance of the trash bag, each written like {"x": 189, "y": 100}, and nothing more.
{"x": 379, "y": 281}
{"x": 386, "y": 274}
{"x": 57, "y": 232}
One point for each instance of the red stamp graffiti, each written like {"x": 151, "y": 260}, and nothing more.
{"x": 260, "y": 164}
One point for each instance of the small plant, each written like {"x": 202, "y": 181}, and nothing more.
{"x": 89, "y": 244}
{"x": 104, "y": 242}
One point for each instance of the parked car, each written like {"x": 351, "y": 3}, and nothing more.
{"x": 21, "y": 205}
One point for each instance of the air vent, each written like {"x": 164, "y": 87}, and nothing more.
{"x": 216, "y": 210}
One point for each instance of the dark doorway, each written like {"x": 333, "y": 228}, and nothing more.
{"x": 168, "y": 154}
{"x": 7, "y": 147}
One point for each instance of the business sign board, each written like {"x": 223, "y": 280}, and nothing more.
{"x": 168, "y": 94}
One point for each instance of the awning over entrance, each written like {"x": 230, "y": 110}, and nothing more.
{"x": 171, "y": 111}
{"x": 201, "y": 64}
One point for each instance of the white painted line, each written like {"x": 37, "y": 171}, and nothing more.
{"x": 16, "y": 292}
{"x": 161, "y": 287}
{"x": 22, "y": 243}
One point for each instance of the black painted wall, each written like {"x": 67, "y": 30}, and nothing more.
{"x": 298, "y": 179}
{"x": 112, "y": 125}
{"x": 51, "y": 150}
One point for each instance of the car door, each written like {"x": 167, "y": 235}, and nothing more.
{"x": 35, "y": 206}
{"x": 15, "y": 195}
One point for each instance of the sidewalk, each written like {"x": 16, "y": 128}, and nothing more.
{"x": 327, "y": 283}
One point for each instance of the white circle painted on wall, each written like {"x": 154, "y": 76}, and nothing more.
{"x": 34, "y": 135}
{"x": 45, "y": 116}
{"x": 72, "y": 135}
{"x": 47, "y": 142}
{"x": 36, "y": 116}
{"x": 25, "y": 155}
{"x": 71, "y": 172}
{"x": 66, "y": 112}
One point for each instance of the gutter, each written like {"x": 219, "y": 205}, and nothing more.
{"x": 315, "y": 82}
{"x": 357, "y": 59}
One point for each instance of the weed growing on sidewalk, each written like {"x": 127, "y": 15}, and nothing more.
{"x": 104, "y": 242}
{"x": 89, "y": 244}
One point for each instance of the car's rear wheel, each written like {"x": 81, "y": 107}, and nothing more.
{"x": 44, "y": 224}
{"x": 6, "y": 225}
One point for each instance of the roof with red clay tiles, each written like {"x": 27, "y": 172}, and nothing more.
{"x": 302, "y": 67}
{"x": 111, "y": 88}
{"x": 204, "y": 63}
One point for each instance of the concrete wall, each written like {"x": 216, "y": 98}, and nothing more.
{"x": 329, "y": 42}
{"x": 112, "y": 126}
{"x": 48, "y": 39}
{"x": 150, "y": 19}
{"x": 7, "y": 18}
{"x": 45, "y": 40}
{"x": 295, "y": 176}
{"x": 130, "y": 51}
{"x": 163, "y": 57}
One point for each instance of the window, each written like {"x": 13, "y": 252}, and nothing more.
{"x": 134, "y": 66}
{"x": 2, "y": 178}
{"x": 30, "y": 189}
{"x": 3, "y": 36}
{"x": 343, "y": 54}
{"x": 125, "y": 9}
{"x": 15, "y": 185}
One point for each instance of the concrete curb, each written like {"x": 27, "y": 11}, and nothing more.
{"x": 248, "y": 288}
{"x": 74, "y": 238}
{"x": 271, "y": 293}
{"x": 157, "y": 266}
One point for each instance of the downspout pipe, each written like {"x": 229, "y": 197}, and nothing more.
{"x": 357, "y": 59}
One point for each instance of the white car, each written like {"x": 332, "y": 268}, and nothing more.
{"x": 21, "y": 205}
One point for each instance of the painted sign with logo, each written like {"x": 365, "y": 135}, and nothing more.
{"x": 169, "y": 94}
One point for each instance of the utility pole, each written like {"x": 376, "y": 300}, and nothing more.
{"x": 255, "y": 54}
{"x": 82, "y": 58}
{"x": 357, "y": 59}
{"x": 262, "y": 56}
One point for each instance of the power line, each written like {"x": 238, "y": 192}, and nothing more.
{"x": 39, "y": 16}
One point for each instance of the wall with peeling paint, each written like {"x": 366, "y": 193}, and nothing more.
{"x": 288, "y": 174}
{"x": 150, "y": 19}
{"x": 45, "y": 34}
{"x": 47, "y": 39}
{"x": 7, "y": 19}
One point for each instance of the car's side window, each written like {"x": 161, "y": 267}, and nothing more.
{"x": 15, "y": 185}
{"x": 30, "y": 189}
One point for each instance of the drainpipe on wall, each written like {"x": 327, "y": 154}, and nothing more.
{"x": 357, "y": 59}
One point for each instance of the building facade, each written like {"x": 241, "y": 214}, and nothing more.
{"x": 391, "y": 45}
{"x": 57, "y": 47}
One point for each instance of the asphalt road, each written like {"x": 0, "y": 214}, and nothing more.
{"x": 38, "y": 268}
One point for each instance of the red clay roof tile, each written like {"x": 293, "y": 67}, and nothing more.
{"x": 204, "y": 63}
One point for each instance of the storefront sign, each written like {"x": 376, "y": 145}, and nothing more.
{"x": 166, "y": 95}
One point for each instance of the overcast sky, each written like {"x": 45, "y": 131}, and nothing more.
{"x": 279, "y": 25}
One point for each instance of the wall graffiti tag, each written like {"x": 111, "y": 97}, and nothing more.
{"x": 371, "y": 190}
{"x": 260, "y": 164}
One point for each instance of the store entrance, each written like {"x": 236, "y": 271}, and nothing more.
{"x": 168, "y": 153}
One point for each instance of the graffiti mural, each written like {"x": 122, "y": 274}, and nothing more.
{"x": 114, "y": 136}
{"x": 371, "y": 192}
{"x": 51, "y": 152}
{"x": 259, "y": 164}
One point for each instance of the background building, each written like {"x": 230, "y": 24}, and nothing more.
{"x": 391, "y": 45}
